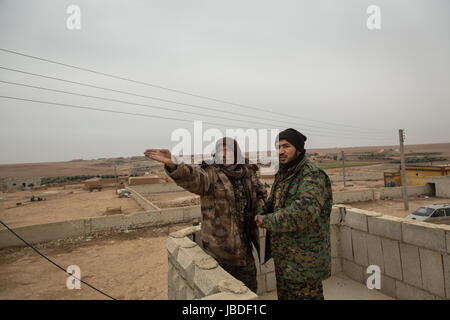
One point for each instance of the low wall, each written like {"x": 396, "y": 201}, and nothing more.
{"x": 413, "y": 256}
{"x": 156, "y": 188}
{"x": 188, "y": 280}
{"x": 85, "y": 227}
{"x": 144, "y": 203}
{"x": 378, "y": 193}
{"x": 193, "y": 274}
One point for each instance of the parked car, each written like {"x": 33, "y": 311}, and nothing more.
{"x": 438, "y": 213}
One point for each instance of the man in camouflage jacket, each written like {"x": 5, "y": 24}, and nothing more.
{"x": 230, "y": 195}
{"x": 297, "y": 219}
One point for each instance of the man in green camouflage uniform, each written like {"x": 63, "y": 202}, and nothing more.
{"x": 297, "y": 219}
{"x": 230, "y": 195}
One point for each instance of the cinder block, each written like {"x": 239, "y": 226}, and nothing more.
{"x": 411, "y": 265}
{"x": 249, "y": 295}
{"x": 107, "y": 223}
{"x": 172, "y": 215}
{"x": 189, "y": 293}
{"x": 181, "y": 292}
{"x": 352, "y": 270}
{"x": 175, "y": 284}
{"x": 271, "y": 282}
{"x": 185, "y": 232}
{"x": 139, "y": 219}
{"x": 391, "y": 257}
{"x": 406, "y": 292}
{"x": 262, "y": 248}
{"x": 388, "y": 286}
{"x": 375, "y": 251}
{"x": 356, "y": 219}
{"x": 172, "y": 247}
{"x": 424, "y": 235}
{"x": 191, "y": 212}
{"x": 336, "y": 266}
{"x": 256, "y": 259}
{"x": 386, "y": 226}
{"x": 206, "y": 281}
{"x": 186, "y": 262}
{"x": 360, "y": 248}
{"x": 432, "y": 271}
{"x": 267, "y": 267}
{"x": 334, "y": 240}
{"x": 446, "y": 261}
{"x": 346, "y": 246}
{"x": 335, "y": 216}
{"x": 261, "y": 284}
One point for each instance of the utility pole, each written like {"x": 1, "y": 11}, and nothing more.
{"x": 115, "y": 173}
{"x": 401, "y": 135}
{"x": 343, "y": 167}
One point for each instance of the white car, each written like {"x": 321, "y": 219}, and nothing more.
{"x": 429, "y": 212}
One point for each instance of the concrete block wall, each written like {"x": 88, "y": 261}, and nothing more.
{"x": 156, "y": 188}
{"x": 377, "y": 194}
{"x": 193, "y": 274}
{"x": 414, "y": 257}
{"x": 85, "y": 227}
{"x": 144, "y": 203}
{"x": 182, "y": 280}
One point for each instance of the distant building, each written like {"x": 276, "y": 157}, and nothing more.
{"x": 416, "y": 174}
{"x": 140, "y": 171}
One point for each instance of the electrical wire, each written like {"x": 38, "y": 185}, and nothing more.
{"x": 173, "y": 90}
{"x": 52, "y": 262}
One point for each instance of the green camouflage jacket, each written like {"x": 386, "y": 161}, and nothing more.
{"x": 219, "y": 229}
{"x": 298, "y": 223}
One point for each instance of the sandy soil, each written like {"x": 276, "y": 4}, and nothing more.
{"x": 394, "y": 207}
{"x": 61, "y": 204}
{"x": 123, "y": 265}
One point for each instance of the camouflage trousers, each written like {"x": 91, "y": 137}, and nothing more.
{"x": 296, "y": 290}
{"x": 246, "y": 274}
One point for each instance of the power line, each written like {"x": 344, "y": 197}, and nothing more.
{"x": 175, "y": 102}
{"x": 107, "y": 110}
{"x": 54, "y": 263}
{"x": 123, "y": 101}
{"x": 172, "y": 90}
{"x": 127, "y": 102}
{"x": 141, "y": 114}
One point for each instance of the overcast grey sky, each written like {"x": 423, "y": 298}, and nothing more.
{"x": 306, "y": 59}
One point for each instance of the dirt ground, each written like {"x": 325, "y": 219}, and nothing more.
{"x": 61, "y": 204}
{"x": 124, "y": 265}
{"x": 395, "y": 207}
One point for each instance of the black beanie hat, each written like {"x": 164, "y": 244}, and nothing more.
{"x": 294, "y": 137}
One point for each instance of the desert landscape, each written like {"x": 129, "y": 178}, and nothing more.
{"x": 104, "y": 256}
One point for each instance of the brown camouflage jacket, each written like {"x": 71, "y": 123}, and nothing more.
{"x": 298, "y": 220}
{"x": 219, "y": 228}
